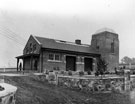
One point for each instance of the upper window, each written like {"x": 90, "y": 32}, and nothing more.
{"x": 97, "y": 45}
{"x": 27, "y": 50}
{"x": 112, "y": 47}
{"x": 31, "y": 47}
{"x": 34, "y": 47}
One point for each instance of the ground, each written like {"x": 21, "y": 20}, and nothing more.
{"x": 33, "y": 90}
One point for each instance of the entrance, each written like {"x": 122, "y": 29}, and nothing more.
{"x": 88, "y": 62}
{"x": 70, "y": 63}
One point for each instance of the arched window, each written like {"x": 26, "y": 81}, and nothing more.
{"x": 31, "y": 47}
{"x": 112, "y": 46}
{"x": 97, "y": 45}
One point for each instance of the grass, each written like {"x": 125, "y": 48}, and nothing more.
{"x": 33, "y": 90}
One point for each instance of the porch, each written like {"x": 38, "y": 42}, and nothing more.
{"x": 29, "y": 62}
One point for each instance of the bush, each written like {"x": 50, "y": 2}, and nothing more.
{"x": 70, "y": 73}
{"x": 81, "y": 73}
{"x": 51, "y": 77}
{"x": 62, "y": 72}
{"x": 89, "y": 72}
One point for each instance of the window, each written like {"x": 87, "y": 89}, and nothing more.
{"x": 27, "y": 50}
{"x": 57, "y": 57}
{"x": 34, "y": 47}
{"x": 30, "y": 47}
{"x": 112, "y": 47}
{"x": 54, "y": 57}
{"x": 51, "y": 56}
{"x": 97, "y": 45}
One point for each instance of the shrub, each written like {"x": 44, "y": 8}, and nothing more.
{"x": 89, "y": 72}
{"x": 70, "y": 72}
{"x": 62, "y": 72}
{"x": 81, "y": 73}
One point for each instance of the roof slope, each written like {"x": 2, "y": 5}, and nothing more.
{"x": 64, "y": 45}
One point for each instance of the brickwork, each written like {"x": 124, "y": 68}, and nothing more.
{"x": 51, "y": 65}
{"x": 61, "y": 65}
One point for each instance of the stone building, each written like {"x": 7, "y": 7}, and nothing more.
{"x": 43, "y": 53}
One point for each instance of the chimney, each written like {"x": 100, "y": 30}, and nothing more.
{"x": 78, "y": 41}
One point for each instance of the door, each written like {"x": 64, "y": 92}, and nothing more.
{"x": 88, "y": 62}
{"x": 70, "y": 63}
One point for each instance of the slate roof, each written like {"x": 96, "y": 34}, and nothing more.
{"x": 64, "y": 45}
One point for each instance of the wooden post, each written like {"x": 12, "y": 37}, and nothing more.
{"x": 41, "y": 62}
{"x": 17, "y": 63}
{"x": 23, "y": 64}
{"x": 31, "y": 59}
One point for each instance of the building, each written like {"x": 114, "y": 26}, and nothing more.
{"x": 42, "y": 53}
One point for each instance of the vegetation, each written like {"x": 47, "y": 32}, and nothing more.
{"x": 128, "y": 60}
{"x": 81, "y": 73}
{"x": 101, "y": 67}
{"x": 70, "y": 72}
{"x": 89, "y": 72}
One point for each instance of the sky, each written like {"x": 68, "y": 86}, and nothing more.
{"x": 63, "y": 19}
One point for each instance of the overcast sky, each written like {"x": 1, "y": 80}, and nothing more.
{"x": 63, "y": 19}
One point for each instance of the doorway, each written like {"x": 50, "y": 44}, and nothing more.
{"x": 70, "y": 63}
{"x": 88, "y": 64}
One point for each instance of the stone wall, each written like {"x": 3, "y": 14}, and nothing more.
{"x": 92, "y": 84}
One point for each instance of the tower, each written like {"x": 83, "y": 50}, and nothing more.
{"x": 106, "y": 42}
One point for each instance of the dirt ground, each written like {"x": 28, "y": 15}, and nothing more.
{"x": 33, "y": 90}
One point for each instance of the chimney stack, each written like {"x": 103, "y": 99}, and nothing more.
{"x": 78, "y": 41}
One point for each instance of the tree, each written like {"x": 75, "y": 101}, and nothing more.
{"x": 101, "y": 66}
{"x": 126, "y": 60}
{"x": 133, "y": 60}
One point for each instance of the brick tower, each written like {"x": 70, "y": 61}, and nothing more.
{"x": 106, "y": 42}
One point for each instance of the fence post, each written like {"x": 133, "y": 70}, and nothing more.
{"x": 127, "y": 80}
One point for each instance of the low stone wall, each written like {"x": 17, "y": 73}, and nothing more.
{"x": 93, "y": 84}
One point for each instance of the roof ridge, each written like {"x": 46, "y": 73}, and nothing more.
{"x": 59, "y": 40}
{"x": 36, "y": 39}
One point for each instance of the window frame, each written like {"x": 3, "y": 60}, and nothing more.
{"x": 54, "y": 57}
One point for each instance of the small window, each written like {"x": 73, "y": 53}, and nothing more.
{"x": 34, "y": 47}
{"x": 57, "y": 57}
{"x": 112, "y": 47}
{"x": 27, "y": 50}
{"x": 51, "y": 56}
{"x": 31, "y": 47}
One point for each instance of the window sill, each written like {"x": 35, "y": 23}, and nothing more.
{"x": 54, "y": 61}
{"x": 79, "y": 62}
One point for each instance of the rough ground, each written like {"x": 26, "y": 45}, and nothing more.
{"x": 32, "y": 90}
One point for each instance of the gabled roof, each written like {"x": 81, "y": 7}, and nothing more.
{"x": 64, "y": 45}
